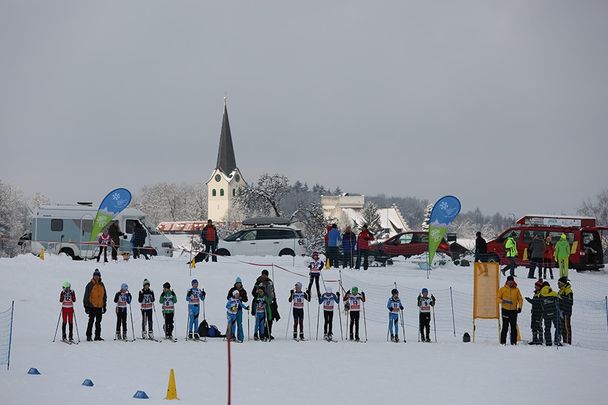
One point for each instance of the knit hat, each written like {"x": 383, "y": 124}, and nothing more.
{"x": 235, "y": 293}
{"x": 510, "y": 278}
{"x": 538, "y": 285}
{"x": 124, "y": 286}
{"x": 425, "y": 290}
{"x": 299, "y": 285}
{"x": 167, "y": 285}
{"x": 238, "y": 280}
{"x": 563, "y": 280}
{"x": 66, "y": 284}
{"x": 146, "y": 281}
{"x": 354, "y": 290}
{"x": 394, "y": 291}
{"x": 96, "y": 273}
{"x": 265, "y": 272}
{"x": 328, "y": 290}
{"x": 194, "y": 281}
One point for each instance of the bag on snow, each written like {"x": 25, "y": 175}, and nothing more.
{"x": 203, "y": 328}
{"x": 466, "y": 338}
{"x": 213, "y": 331}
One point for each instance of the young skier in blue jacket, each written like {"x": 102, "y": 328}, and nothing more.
{"x": 232, "y": 309}
{"x": 394, "y": 306}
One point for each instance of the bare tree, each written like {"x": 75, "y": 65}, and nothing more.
{"x": 370, "y": 217}
{"x": 313, "y": 224}
{"x": 264, "y": 197}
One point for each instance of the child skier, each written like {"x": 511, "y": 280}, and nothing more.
{"x": 424, "y": 318}
{"x": 315, "y": 267}
{"x": 122, "y": 299}
{"x": 146, "y": 299}
{"x": 353, "y": 301}
{"x": 232, "y": 309}
{"x": 67, "y": 298}
{"x": 104, "y": 241}
{"x": 394, "y": 306}
{"x": 261, "y": 306}
{"x": 328, "y": 299}
{"x": 297, "y": 297}
{"x": 194, "y": 296}
{"x": 536, "y": 324}
{"x": 168, "y": 300}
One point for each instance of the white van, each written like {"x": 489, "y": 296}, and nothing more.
{"x": 67, "y": 229}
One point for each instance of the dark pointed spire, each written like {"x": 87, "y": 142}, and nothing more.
{"x": 226, "y": 161}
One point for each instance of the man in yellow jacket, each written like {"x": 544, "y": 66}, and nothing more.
{"x": 562, "y": 254}
{"x": 511, "y": 253}
{"x": 511, "y": 301}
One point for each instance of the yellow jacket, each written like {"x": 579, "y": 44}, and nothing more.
{"x": 510, "y": 298}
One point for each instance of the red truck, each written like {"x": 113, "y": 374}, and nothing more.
{"x": 583, "y": 234}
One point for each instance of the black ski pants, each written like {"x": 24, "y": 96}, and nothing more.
{"x": 314, "y": 277}
{"x": 95, "y": 315}
{"x": 424, "y": 322}
{"x": 328, "y": 317}
{"x": 551, "y": 319}
{"x": 103, "y": 249}
{"x": 168, "y": 323}
{"x": 210, "y": 248}
{"x": 121, "y": 320}
{"x": 365, "y": 254}
{"x": 146, "y": 316}
{"x": 534, "y": 263}
{"x": 509, "y": 321}
{"x": 354, "y": 324}
{"x": 537, "y": 327}
{"x": 298, "y": 320}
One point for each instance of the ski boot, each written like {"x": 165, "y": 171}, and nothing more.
{"x": 196, "y": 336}
{"x": 89, "y": 339}
{"x": 124, "y": 336}
{"x": 302, "y": 336}
{"x": 255, "y": 337}
{"x": 357, "y": 338}
{"x": 351, "y": 337}
{"x": 144, "y": 335}
{"x": 428, "y": 339}
{"x": 118, "y": 336}
{"x": 392, "y": 337}
{"x": 330, "y": 337}
{"x": 325, "y": 336}
{"x": 151, "y": 335}
{"x": 295, "y": 336}
{"x": 396, "y": 339}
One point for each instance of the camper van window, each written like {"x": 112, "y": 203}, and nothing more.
{"x": 57, "y": 225}
{"x": 529, "y": 235}
{"x": 130, "y": 225}
{"x": 556, "y": 235}
{"x": 87, "y": 225}
{"x": 505, "y": 235}
{"x": 149, "y": 227}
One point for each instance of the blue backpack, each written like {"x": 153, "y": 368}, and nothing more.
{"x": 213, "y": 331}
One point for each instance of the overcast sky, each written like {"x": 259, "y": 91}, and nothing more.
{"x": 502, "y": 103}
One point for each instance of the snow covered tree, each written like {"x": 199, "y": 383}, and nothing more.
{"x": 313, "y": 225}
{"x": 14, "y": 219}
{"x": 173, "y": 202}
{"x": 427, "y": 217}
{"x": 264, "y": 197}
{"x": 370, "y": 217}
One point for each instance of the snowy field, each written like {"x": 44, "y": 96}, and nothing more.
{"x": 297, "y": 372}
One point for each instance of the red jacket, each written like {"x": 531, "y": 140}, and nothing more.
{"x": 363, "y": 240}
{"x": 209, "y": 234}
{"x": 548, "y": 254}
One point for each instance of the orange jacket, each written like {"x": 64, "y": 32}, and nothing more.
{"x": 95, "y": 295}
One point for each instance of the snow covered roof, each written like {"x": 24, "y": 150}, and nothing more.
{"x": 390, "y": 218}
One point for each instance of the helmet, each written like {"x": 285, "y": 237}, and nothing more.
{"x": 299, "y": 285}
{"x": 167, "y": 285}
{"x": 425, "y": 290}
{"x": 66, "y": 284}
{"x": 194, "y": 281}
{"x": 354, "y": 290}
{"x": 124, "y": 286}
{"x": 394, "y": 291}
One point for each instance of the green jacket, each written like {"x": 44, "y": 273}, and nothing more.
{"x": 168, "y": 300}
{"x": 511, "y": 247}
{"x": 562, "y": 248}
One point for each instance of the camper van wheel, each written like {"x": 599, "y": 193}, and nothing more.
{"x": 287, "y": 252}
{"x": 222, "y": 252}
{"x": 67, "y": 251}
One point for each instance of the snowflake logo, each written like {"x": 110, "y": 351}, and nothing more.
{"x": 444, "y": 206}
{"x": 116, "y": 197}
{"x": 435, "y": 234}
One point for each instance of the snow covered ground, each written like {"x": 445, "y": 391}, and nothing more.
{"x": 305, "y": 372}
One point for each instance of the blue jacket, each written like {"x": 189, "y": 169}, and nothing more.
{"x": 333, "y": 237}
{"x": 349, "y": 242}
{"x": 233, "y": 305}
{"x": 394, "y": 305}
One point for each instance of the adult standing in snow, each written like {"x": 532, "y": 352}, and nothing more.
{"x": 536, "y": 251}
{"x": 365, "y": 236}
{"x": 333, "y": 243}
{"x": 566, "y": 301}
{"x": 562, "y": 254}
{"x": 548, "y": 257}
{"x": 95, "y": 300}
{"x": 511, "y": 253}
{"x": 115, "y": 234}
{"x": 509, "y": 297}
{"x": 238, "y": 286}
{"x": 265, "y": 282}
{"x": 550, "y": 313}
{"x": 349, "y": 245}
{"x": 536, "y": 323}
{"x": 481, "y": 248}
{"x": 209, "y": 237}
{"x": 139, "y": 240}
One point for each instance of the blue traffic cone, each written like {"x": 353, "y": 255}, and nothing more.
{"x": 33, "y": 371}
{"x": 141, "y": 395}
{"x": 88, "y": 383}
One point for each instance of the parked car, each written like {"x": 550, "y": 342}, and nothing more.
{"x": 586, "y": 250}
{"x": 405, "y": 244}
{"x": 263, "y": 241}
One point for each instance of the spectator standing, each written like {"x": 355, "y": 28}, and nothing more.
{"x": 209, "y": 237}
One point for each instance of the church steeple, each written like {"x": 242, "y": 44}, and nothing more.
{"x": 226, "y": 162}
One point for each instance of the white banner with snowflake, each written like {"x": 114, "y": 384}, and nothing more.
{"x": 444, "y": 212}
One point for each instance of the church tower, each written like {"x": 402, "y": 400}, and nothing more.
{"x": 226, "y": 178}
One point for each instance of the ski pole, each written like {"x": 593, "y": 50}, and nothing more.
{"x": 364, "y": 321}
{"x": 155, "y": 316}
{"x": 434, "y": 324}
{"x": 76, "y": 324}
{"x": 132, "y": 327}
{"x": 57, "y": 327}
{"x": 318, "y": 314}
{"x": 248, "y": 315}
{"x": 308, "y": 310}
{"x": 340, "y": 318}
{"x": 403, "y": 326}
{"x": 288, "y": 319}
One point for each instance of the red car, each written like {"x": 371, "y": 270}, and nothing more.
{"x": 405, "y": 244}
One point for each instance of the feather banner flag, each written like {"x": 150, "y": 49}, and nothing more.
{"x": 444, "y": 212}
{"x": 116, "y": 201}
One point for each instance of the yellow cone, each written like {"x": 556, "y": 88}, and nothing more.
{"x": 327, "y": 264}
{"x": 41, "y": 254}
{"x": 525, "y": 255}
{"x": 193, "y": 264}
{"x": 171, "y": 390}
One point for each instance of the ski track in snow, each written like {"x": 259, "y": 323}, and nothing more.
{"x": 304, "y": 372}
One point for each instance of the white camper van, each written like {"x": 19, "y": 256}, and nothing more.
{"x": 67, "y": 229}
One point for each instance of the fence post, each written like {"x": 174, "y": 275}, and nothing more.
{"x": 606, "y": 298}
{"x": 453, "y": 320}
{"x": 10, "y": 337}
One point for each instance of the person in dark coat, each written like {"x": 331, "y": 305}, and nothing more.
{"x": 139, "y": 240}
{"x": 566, "y": 301}
{"x": 349, "y": 246}
{"x": 536, "y": 323}
{"x": 115, "y": 234}
{"x": 266, "y": 283}
{"x": 210, "y": 239}
{"x": 95, "y": 300}
{"x": 550, "y": 314}
{"x": 481, "y": 248}
{"x": 536, "y": 252}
